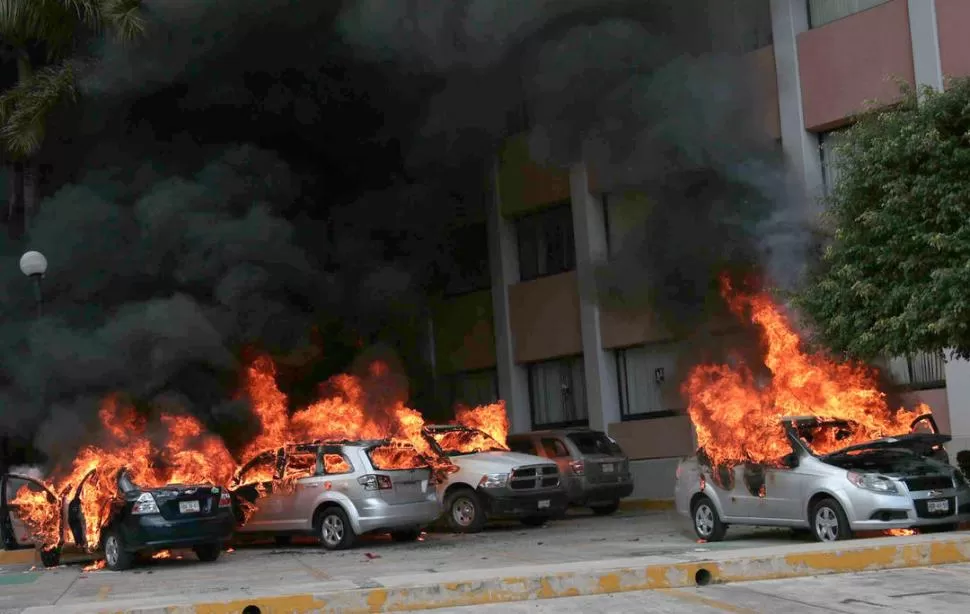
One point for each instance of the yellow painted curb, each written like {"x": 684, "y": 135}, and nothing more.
{"x": 844, "y": 558}
{"x": 17, "y": 557}
{"x": 647, "y": 504}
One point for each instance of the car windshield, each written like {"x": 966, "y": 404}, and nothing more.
{"x": 464, "y": 440}
{"x": 593, "y": 442}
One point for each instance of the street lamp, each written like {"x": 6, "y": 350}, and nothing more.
{"x": 34, "y": 265}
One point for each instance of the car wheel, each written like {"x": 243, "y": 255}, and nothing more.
{"x": 605, "y": 510}
{"x": 207, "y": 553}
{"x": 334, "y": 529}
{"x": 465, "y": 511}
{"x": 707, "y": 522}
{"x": 829, "y": 523}
{"x": 116, "y": 558}
{"x": 406, "y": 535}
{"x": 534, "y": 521}
{"x": 283, "y": 540}
{"x": 50, "y": 558}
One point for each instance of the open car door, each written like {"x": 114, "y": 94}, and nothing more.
{"x": 926, "y": 423}
{"x": 255, "y": 480}
{"x": 14, "y": 532}
{"x": 75, "y": 514}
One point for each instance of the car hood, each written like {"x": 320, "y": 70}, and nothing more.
{"x": 896, "y": 462}
{"x": 499, "y": 460}
{"x": 920, "y": 443}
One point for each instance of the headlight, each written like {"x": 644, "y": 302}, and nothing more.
{"x": 494, "y": 480}
{"x": 874, "y": 482}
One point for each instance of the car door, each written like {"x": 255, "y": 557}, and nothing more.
{"x": 303, "y": 479}
{"x": 786, "y": 486}
{"x": 257, "y": 502}
{"x": 14, "y": 532}
{"x": 76, "y": 521}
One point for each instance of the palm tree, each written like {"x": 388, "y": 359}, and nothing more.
{"x": 45, "y": 39}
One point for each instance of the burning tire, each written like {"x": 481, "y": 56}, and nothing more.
{"x": 829, "y": 522}
{"x": 707, "y": 522}
{"x": 116, "y": 558}
{"x": 50, "y": 558}
{"x": 465, "y": 511}
{"x": 207, "y": 553}
{"x": 334, "y": 529}
{"x": 606, "y": 509}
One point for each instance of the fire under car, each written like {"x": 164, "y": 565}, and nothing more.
{"x": 335, "y": 491}
{"x": 138, "y": 521}
{"x": 899, "y": 482}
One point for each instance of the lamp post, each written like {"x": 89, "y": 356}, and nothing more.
{"x": 34, "y": 265}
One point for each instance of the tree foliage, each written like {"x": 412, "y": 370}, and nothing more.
{"x": 895, "y": 277}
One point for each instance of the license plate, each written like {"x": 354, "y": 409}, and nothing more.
{"x": 188, "y": 507}
{"x": 942, "y": 505}
{"x": 408, "y": 486}
{"x": 543, "y": 504}
{"x": 608, "y": 468}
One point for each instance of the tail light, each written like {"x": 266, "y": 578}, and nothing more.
{"x": 578, "y": 467}
{"x": 375, "y": 482}
{"x": 224, "y": 499}
{"x": 145, "y": 504}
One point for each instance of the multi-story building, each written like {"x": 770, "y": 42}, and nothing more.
{"x": 529, "y": 329}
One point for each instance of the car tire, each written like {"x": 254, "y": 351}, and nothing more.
{"x": 283, "y": 540}
{"x": 534, "y": 521}
{"x": 465, "y": 511}
{"x": 207, "y": 553}
{"x": 406, "y": 535}
{"x": 334, "y": 530}
{"x": 50, "y": 558}
{"x": 707, "y": 522}
{"x": 829, "y": 522}
{"x": 606, "y": 509}
{"x": 116, "y": 558}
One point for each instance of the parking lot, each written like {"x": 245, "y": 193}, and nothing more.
{"x": 264, "y": 568}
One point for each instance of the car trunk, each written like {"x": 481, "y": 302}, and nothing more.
{"x": 604, "y": 462}
{"x": 182, "y": 502}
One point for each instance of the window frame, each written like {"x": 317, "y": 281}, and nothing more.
{"x": 537, "y": 223}
{"x": 532, "y": 405}
{"x": 811, "y": 14}
{"x": 622, "y": 388}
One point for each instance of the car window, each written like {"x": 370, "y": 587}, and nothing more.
{"x": 594, "y": 442}
{"x": 336, "y": 464}
{"x": 553, "y": 448}
{"x": 522, "y": 445}
{"x": 301, "y": 465}
{"x": 261, "y": 469}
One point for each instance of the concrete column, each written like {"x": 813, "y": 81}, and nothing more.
{"x": 503, "y": 260}
{"x": 925, "y": 37}
{"x": 958, "y": 401}
{"x": 589, "y": 227}
{"x": 789, "y": 18}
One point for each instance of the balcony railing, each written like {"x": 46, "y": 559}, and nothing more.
{"x": 919, "y": 371}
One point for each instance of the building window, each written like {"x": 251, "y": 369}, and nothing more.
{"x": 466, "y": 264}
{"x": 821, "y": 12}
{"x": 557, "y": 393}
{"x": 474, "y": 388}
{"x": 547, "y": 245}
{"x": 828, "y": 143}
{"x": 918, "y": 371}
{"x": 647, "y": 380}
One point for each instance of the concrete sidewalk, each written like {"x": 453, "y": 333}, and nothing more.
{"x": 416, "y": 591}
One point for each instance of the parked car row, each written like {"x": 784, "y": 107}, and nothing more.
{"x": 338, "y": 491}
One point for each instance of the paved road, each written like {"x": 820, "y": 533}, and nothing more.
{"x": 265, "y": 569}
{"x": 924, "y": 590}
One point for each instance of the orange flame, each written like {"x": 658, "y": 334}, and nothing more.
{"x": 738, "y": 419}
{"x": 162, "y": 554}
{"x": 490, "y": 419}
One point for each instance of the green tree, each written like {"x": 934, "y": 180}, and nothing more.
{"x": 45, "y": 40}
{"x": 894, "y": 278}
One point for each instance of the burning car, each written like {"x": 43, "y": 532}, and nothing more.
{"x": 337, "y": 491}
{"x": 137, "y": 520}
{"x": 491, "y": 481}
{"x": 896, "y": 482}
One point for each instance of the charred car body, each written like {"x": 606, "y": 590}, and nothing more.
{"x": 336, "y": 491}
{"x": 492, "y": 482}
{"x": 889, "y": 483}
{"x": 138, "y": 520}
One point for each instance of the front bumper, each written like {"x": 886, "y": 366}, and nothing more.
{"x": 874, "y": 512}
{"x": 152, "y": 531}
{"x": 506, "y": 503}
{"x": 375, "y": 514}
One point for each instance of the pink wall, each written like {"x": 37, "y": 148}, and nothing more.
{"x": 853, "y": 60}
{"x": 936, "y": 399}
{"x": 952, "y": 17}
{"x": 544, "y": 316}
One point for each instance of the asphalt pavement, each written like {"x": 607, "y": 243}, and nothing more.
{"x": 920, "y": 590}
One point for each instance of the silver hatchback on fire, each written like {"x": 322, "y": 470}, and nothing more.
{"x": 890, "y": 483}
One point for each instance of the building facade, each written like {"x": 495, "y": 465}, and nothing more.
{"x": 531, "y": 331}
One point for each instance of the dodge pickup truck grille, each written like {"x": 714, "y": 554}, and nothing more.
{"x": 535, "y": 477}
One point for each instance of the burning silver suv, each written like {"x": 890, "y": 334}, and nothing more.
{"x": 336, "y": 491}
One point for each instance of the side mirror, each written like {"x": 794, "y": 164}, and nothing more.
{"x": 790, "y": 460}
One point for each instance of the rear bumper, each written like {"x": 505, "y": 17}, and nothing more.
{"x": 503, "y": 504}
{"x": 375, "y": 514}
{"x": 153, "y": 531}
{"x": 582, "y": 492}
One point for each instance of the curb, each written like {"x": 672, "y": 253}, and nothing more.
{"x": 18, "y": 557}
{"x": 402, "y": 593}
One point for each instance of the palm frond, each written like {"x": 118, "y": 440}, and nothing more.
{"x": 24, "y": 108}
{"x": 124, "y": 18}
